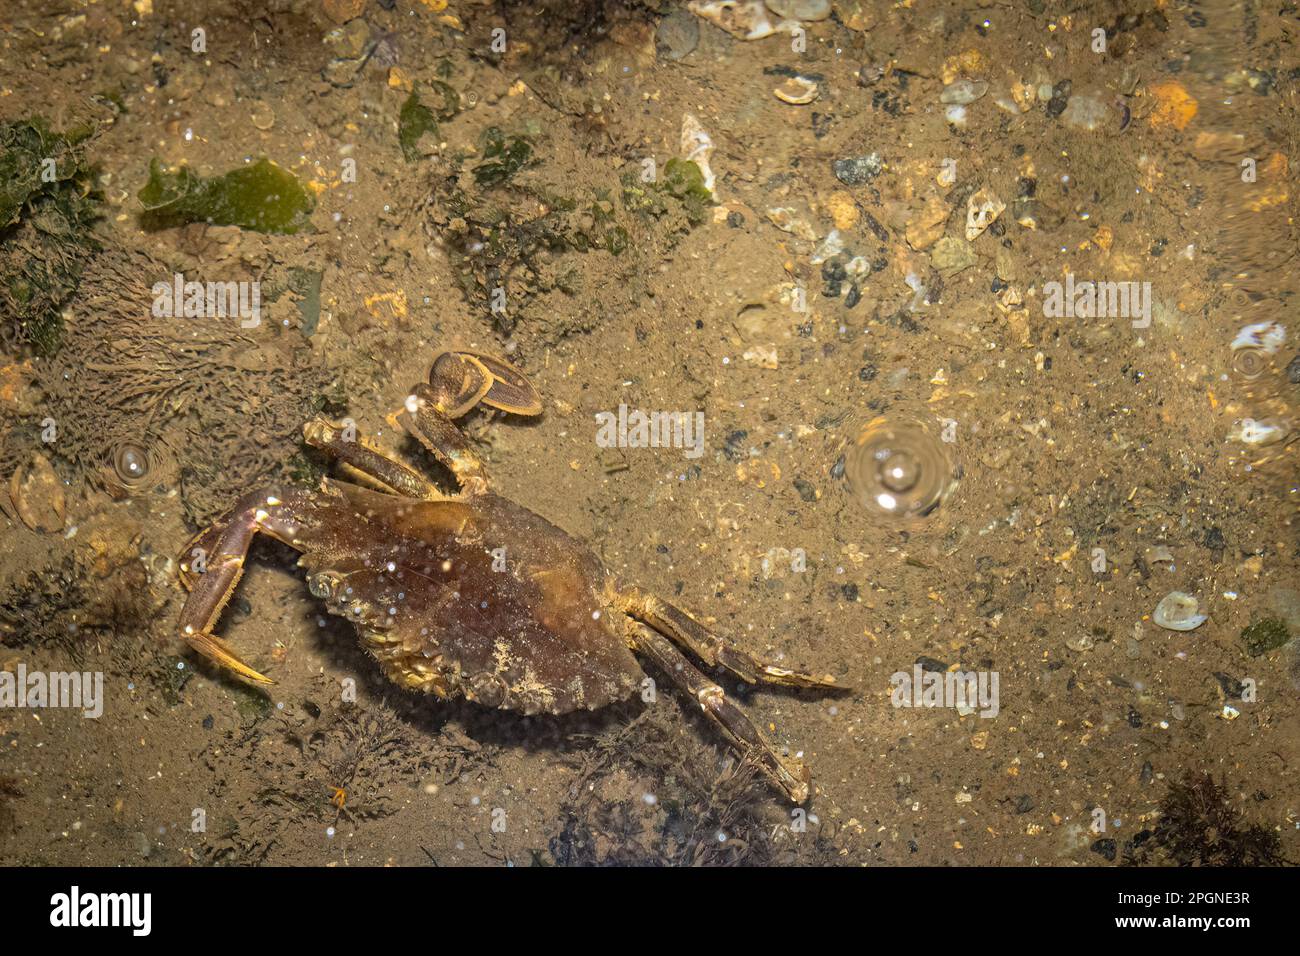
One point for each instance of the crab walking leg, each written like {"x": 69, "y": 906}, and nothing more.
{"x": 227, "y": 543}
{"x": 688, "y": 633}
{"x": 392, "y": 474}
{"x": 788, "y": 773}
{"x": 425, "y": 419}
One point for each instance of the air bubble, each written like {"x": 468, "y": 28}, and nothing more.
{"x": 899, "y": 469}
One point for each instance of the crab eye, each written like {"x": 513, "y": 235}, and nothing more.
{"x": 323, "y": 585}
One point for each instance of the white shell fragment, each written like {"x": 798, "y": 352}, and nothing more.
{"x": 1178, "y": 612}
{"x": 1248, "y": 431}
{"x": 1268, "y": 337}
{"x": 982, "y": 208}
{"x": 697, "y": 147}
{"x": 797, "y": 91}
{"x": 746, "y": 19}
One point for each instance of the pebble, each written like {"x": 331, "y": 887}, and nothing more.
{"x": 677, "y": 35}
{"x": 349, "y": 41}
{"x": 1086, "y": 113}
{"x": 963, "y": 91}
{"x": 857, "y": 170}
{"x": 341, "y": 11}
{"x": 951, "y": 255}
{"x": 807, "y": 10}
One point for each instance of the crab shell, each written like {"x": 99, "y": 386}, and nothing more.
{"x": 480, "y": 597}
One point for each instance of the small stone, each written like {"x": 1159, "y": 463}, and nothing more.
{"x": 951, "y": 256}
{"x": 857, "y": 170}
{"x": 843, "y": 209}
{"x": 1082, "y": 643}
{"x": 926, "y": 227}
{"x": 1106, "y": 847}
{"x": 341, "y": 72}
{"x": 1059, "y": 99}
{"x": 677, "y": 35}
{"x": 806, "y": 10}
{"x": 806, "y": 489}
{"x": 348, "y": 42}
{"x": 856, "y": 15}
{"x": 1087, "y": 113}
{"x": 963, "y": 91}
{"x": 1265, "y": 635}
{"x": 341, "y": 11}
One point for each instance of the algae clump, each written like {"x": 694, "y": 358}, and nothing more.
{"x": 682, "y": 184}
{"x": 502, "y": 157}
{"x": 48, "y": 204}
{"x": 416, "y": 119}
{"x": 1265, "y": 635}
{"x": 262, "y": 197}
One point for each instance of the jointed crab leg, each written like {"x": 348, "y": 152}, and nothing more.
{"x": 688, "y": 633}
{"x": 321, "y": 434}
{"x": 429, "y": 424}
{"x": 223, "y": 549}
{"x": 787, "y": 772}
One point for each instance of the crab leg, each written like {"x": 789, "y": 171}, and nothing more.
{"x": 788, "y": 773}
{"x": 425, "y": 419}
{"x": 684, "y": 631}
{"x": 393, "y": 474}
{"x": 222, "y": 550}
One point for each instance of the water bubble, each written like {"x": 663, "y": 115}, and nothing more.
{"x": 1250, "y": 363}
{"x": 899, "y": 469}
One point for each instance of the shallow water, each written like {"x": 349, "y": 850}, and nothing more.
{"x": 720, "y": 262}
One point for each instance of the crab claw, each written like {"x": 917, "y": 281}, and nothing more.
{"x": 462, "y": 379}
{"x": 215, "y": 649}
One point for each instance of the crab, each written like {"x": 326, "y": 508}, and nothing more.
{"x": 471, "y": 594}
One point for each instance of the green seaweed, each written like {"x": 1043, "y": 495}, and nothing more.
{"x": 502, "y": 157}
{"x": 682, "y": 185}
{"x": 262, "y": 197}
{"x": 48, "y": 205}
{"x": 416, "y": 119}
{"x": 1265, "y": 635}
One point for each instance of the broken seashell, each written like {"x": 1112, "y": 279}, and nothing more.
{"x": 37, "y": 495}
{"x": 982, "y": 208}
{"x": 797, "y": 91}
{"x": 697, "y": 147}
{"x": 746, "y": 19}
{"x": 1178, "y": 612}
{"x": 1251, "y": 432}
{"x": 1268, "y": 337}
